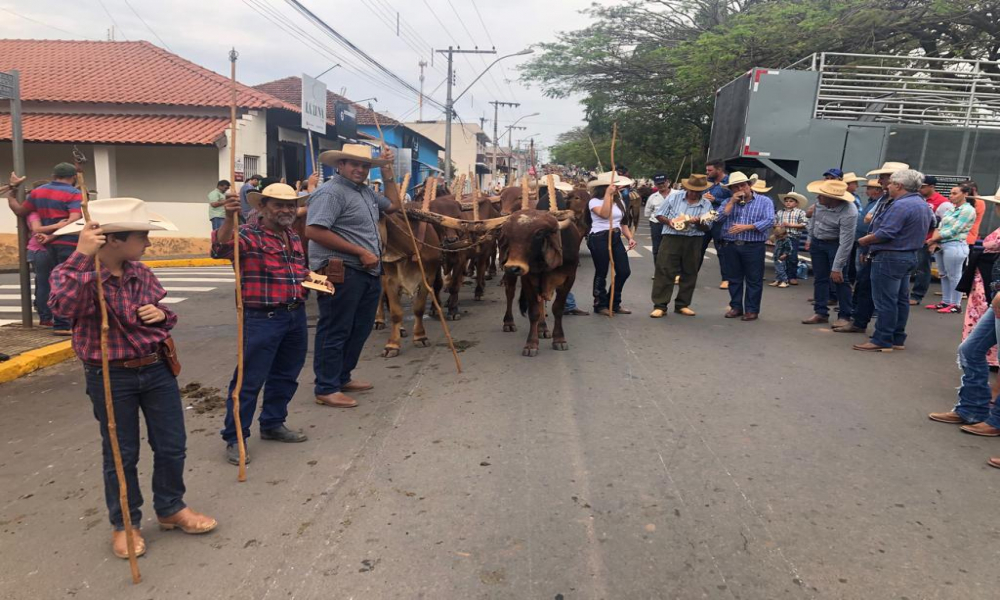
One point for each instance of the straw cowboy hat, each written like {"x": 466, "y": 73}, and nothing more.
{"x": 852, "y": 178}
{"x": 799, "y": 198}
{"x": 889, "y": 168}
{"x": 831, "y": 188}
{"x": 605, "y": 179}
{"x": 737, "y": 177}
{"x": 873, "y": 183}
{"x": 121, "y": 214}
{"x": 696, "y": 182}
{"x": 760, "y": 186}
{"x": 994, "y": 198}
{"x": 358, "y": 152}
{"x": 275, "y": 191}
{"x": 557, "y": 183}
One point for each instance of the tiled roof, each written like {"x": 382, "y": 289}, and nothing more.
{"x": 119, "y": 73}
{"x": 118, "y": 129}
{"x": 289, "y": 90}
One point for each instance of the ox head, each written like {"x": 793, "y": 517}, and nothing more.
{"x": 533, "y": 240}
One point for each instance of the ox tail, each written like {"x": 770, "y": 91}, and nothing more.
{"x": 522, "y": 301}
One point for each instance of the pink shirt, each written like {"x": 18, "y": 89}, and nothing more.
{"x": 33, "y": 244}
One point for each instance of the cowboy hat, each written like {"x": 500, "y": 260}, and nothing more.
{"x": 696, "y": 182}
{"x": 799, "y": 198}
{"x": 831, "y": 188}
{"x": 358, "y": 152}
{"x": 605, "y": 179}
{"x": 873, "y": 183}
{"x": 994, "y": 198}
{"x": 851, "y": 177}
{"x": 889, "y": 168}
{"x": 737, "y": 177}
{"x": 275, "y": 191}
{"x": 760, "y": 186}
{"x": 557, "y": 183}
{"x": 120, "y": 214}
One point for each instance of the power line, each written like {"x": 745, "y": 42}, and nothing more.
{"x": 26, "y": 18}
{"x": 490, "y": 38}
{"x": 113, "y": 22}
{"x": 472, "y": 38}
{"x": 129, "y": 4}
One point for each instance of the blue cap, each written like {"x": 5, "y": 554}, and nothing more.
{"x": 930, "y": 180}
{"x": 834, "y": 172}
{"x": 658, "y": 179}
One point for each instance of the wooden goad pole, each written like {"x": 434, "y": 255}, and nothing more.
{"x": 242, "y": 473}
{"x": 109, "y": 406}
{"x": 611, "y": 257}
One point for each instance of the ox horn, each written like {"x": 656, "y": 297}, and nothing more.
{"x": 453, "y": 223}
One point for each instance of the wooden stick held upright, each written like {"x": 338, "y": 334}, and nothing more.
{"x": 475, "y": 197}
{"x": 553, "y": 205}
{"x": 679, "y": 170}
{"x": 109, "y": 406}
{"x": 611, "y": 257}
{"x": 525, "y": 200}
{"x": 599, "y": 165}
{"x": 242, "y": 472}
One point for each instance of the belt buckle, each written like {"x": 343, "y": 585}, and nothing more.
{"x": 739, "y": 242}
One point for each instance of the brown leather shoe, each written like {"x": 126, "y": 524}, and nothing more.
{"x": 356, "y": 386}
{"x": 815, "y": 320}
{"x": 983, "y": 429}
{"x": 724, "y": 285}
{"x": 870, "y": 347}
{"x": 621, "y": 310}
{"x": 749, "y": 317}
{"x": 119, "y": 544}
{"x": 994, "y": 462}
{"x": 188, "y": 521}
{"x": 576, "y": 312}
{"x": 840, "y": 323}
{"x": 733, "y": 313}
{"x": 951, "y": 417}
{"x": 850, "y": 328}
{"x": 336, "y": 400}
{"x": 687, "y": 312}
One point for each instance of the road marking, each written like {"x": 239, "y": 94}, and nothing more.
{"x": 11, "y": 296}
{"x": 634, "y": 254}
{"x": 183, "y": 289}
{"x": 198, "y": 280}
{"x": 174, "y": 300}
{"x": 10, "y": 309}
{"x": 650, "y": 248}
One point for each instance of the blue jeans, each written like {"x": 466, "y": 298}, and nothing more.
{"x": 217, "y": 222}
{"x": 345, "y": 322}
{"x": 570, "y": 302}
{"x": 714, "y": 235}
{"x": 41, "y": 260}
{"x": 58, "y": 255}
{"x": 598, "y": 245}
{"x": 780, "y": 269}
{"x": 890, "y": 275}
{"x": 792, "y": 262}
{"x": 745, "y": 268}
{"x": 951, "y": 261}
{"x": 921, "y": 275}
{"x": 823, "y": 254}
{"x": 154, "y": 390}
{"x": 864, "y": 308}
{"x": 275, "y": 345}
{"x": 975, "y": 394}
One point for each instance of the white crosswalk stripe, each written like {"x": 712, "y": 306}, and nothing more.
{"x": 210, "y": 278}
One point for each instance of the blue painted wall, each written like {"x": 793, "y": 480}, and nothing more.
{"x": 402, "y": 137}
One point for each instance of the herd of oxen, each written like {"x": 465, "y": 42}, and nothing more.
{"x": 534, "y": 241}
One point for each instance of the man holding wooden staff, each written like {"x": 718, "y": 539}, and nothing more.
{"x": 344, "y": 245}
{"x": 273, "y": 267}
{"x": 143, "y": 368}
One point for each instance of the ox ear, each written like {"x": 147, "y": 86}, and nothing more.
{"x": 552, "y": 250}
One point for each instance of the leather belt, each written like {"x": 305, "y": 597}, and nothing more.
{"x": 131, "y": 363}
{"x": 740, "y": 243}
{"x": 615, "y": 230}
{"x": 270, "y": 309}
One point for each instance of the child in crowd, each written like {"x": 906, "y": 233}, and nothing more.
{"x": 782, "y": 249}
{"x": 793, "y": 219}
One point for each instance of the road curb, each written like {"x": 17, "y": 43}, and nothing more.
{"x": 33, "y": 360}
{"x": 187, "y": 262}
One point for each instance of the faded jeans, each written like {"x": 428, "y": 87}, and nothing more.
{"x": 952, "y": 260}
{"x": 890, "y": 277}
{"x": 975, "y": 395}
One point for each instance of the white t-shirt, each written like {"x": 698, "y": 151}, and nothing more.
{"x": 600, "y": 224}
{"x": 652, "y": 204}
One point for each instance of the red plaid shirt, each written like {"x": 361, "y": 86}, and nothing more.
{"x": 272, "y": 272}
{"x": 74, "y": 296}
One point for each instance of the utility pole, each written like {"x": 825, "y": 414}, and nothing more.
{"x": 450, "y": 103}
{"x": 496, "y": 110}
{"x": 421, "y": 64}
{"x": 10, "y": 88}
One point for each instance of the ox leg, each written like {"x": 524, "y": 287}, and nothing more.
{"x": 510, "y": 288}
{"x": 558, "y": 307}
{"x": 536, "y": 304}
{"x": 419, "y": 305}
{"x": 491, "y": 251}
{"x": 391, "y": 349}
{"x": 380, "y": 313}
{"x": 454, "y": 287}
{"x": 438, "y": 284}
{"x": 481, "y": 261}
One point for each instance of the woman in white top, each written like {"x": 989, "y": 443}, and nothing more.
{"x": 605, "y": 214}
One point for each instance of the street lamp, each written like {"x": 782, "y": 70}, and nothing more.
{"x": 450, "y": 102}
{"x": 496, "y": 144}
{"x": 327, "y": 71}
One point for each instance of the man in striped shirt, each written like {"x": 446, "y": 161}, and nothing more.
{"x": 58, "y": 204}
{"x": 746, "y": 220}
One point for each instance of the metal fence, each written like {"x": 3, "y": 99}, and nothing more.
{"x": 905, "y": 89}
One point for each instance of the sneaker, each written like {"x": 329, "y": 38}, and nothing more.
{"x": 951, "y": 309}
{"x": 233, "y": 453}
{"x": 937, "y": 306}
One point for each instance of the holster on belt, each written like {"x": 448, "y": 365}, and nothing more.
{"x": 334, "y": 270}
{"x": 169, "y": 352}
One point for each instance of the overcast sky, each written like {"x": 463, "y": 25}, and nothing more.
{"x": 203, "y": 31}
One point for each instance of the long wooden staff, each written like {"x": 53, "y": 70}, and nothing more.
{"x": 552, "y": 194}
{"x": 242, "y": 473}
{"x": 525, "y": 198}
{"x": 416, "y": 248}
{"x": 475, "y": 196}
{"x": 611, "y": 258}
{"x": 598, "y": 156}
{"x": 109, "y": 406}
{"x": 679, "y": 170}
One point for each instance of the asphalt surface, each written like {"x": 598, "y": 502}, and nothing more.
{"x": 681, "y": 458}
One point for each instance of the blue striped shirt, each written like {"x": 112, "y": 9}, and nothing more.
{"x": 676, "y": 205}
{"x": 758, "y": 212}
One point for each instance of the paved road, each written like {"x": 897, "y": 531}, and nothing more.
{"x": 682, "y": 458}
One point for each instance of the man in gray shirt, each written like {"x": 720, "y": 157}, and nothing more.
{"x": 831, "y": 237}
{"x": 342, "y": 227}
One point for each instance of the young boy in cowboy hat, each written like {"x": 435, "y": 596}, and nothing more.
{"x": 793, "y": 219}
{"x": 140, "y": 377}
{"x": 273, "y": 267}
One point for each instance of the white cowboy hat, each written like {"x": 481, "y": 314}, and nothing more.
{"x": 605, "y": 179}
{"x": 873, "y": 183}
{"x": 888, "y": 168}
{"x": 557, "y": 183}
{"x": 799, "y": 198}
{"x": 737, "y": 177}
{"x": 276, "y": 191}
{"x": 994, "y": 198}
{"x": 358, "y": 152}
{"x": 831, "y": 188}
{"x": 120, "y": 214}
{"x": 852, "y": 177}
{"x": 760, "y": 186}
